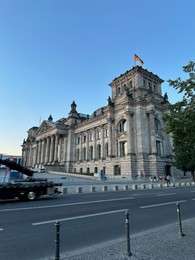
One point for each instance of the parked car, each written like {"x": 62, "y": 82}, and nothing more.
{"x": 97, "y": 175}
{"x": 41, "y": 170}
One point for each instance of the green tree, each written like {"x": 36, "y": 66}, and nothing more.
{"x": 181, "y": 121}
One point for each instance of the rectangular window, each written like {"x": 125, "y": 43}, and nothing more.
{"x": 117, "y": 170}
{"x": 123, "y": 149}
{"x": 90, "y": 137}
{"x": 98, "y": 134}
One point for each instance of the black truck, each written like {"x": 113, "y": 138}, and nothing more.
{"x": 28, "y": 188}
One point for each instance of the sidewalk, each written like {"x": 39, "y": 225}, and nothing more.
{"x": 164, "y": 243}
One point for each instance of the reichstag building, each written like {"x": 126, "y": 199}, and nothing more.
{"x": 125, "y": 137}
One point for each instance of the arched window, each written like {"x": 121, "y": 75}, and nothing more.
{"x": 91, "y": 137}
{"x": 98, "y": 134}
{"x": 123, "y": 126}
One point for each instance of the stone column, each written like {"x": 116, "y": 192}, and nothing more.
{"x": 33, "y": 156}
{"x": 130, "y": 133}
{"x": 94, "y": 145}
{"x": 56, "y": 148}
{"x": 152, "y": 133}
{"x": 47, "y": 150}
{"x": 36, "y": 153}
{"x": 141, "y": 129}
{"x": 80, "y": 149}
{"x": 30, "y": 157}
{"x": 87, "y": 146}
{"x": 37, "y": 161}
{"x": 43, "y": 151}
{"x": 65, "y": 148}
{"x": 39, "y": 151}
{"x": 110, "y": 137}
{"x": 114, "y": 141}
{"x": 59, "y": 149}
{"x": 51, "y": 154}
{"x": 102, "y": 144}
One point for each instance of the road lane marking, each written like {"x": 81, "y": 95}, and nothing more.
{"x": 78, "y": 217}
{"x": 162, "y": 204}
{"x": 165, "y": 194}
{"x": 66, "y": 205}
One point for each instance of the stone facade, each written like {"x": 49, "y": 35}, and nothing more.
{"x": 126, "y": 137}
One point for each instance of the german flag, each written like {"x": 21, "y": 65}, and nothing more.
{"x": 137, "y": 58}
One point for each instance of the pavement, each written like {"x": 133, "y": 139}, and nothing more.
{"x": 164, "y": 243}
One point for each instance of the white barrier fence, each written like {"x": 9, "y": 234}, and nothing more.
{"x": 122, "y": 187}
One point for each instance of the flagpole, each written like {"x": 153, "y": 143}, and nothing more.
{"x": 134, "y": 60}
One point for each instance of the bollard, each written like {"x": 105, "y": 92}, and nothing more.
{"x": 79, "y": 189}
{"x": 128, "y": 252}
{"x": 125, "y": 187}
{"x": 179, "y": 219}
{"x": 104, "y": 188}
{"x": 57, "y": 241}
{"x": 115, "y": 187}
{"x": 134, "y": 186}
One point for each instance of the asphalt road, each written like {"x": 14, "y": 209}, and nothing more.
{"x": 27, "y": 229}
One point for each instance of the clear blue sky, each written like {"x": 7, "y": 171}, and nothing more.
{"x": 55, "y": 51}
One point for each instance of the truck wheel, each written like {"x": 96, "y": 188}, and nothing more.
{"x": 31, "y": 195}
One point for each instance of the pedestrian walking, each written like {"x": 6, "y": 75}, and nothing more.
{"x": 168, "y": 179}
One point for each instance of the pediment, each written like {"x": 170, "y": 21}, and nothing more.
{"x": 45, "y": 127}
{"x": 122, "y": 135}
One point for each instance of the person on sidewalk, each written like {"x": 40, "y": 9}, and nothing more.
{"x": 168, "y": 179}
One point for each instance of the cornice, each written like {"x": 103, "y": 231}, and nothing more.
{"x": 133, "y": 71}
